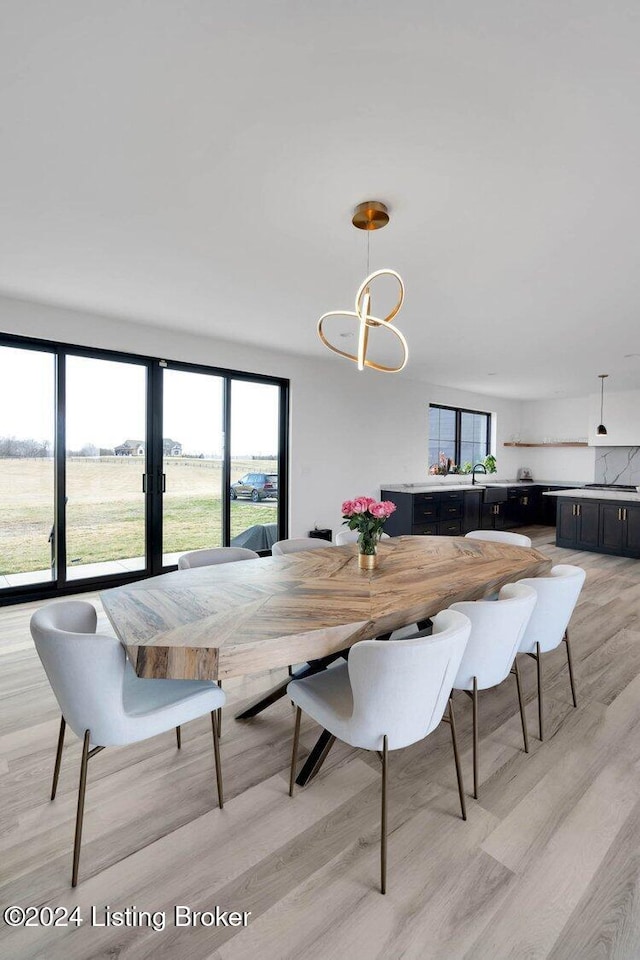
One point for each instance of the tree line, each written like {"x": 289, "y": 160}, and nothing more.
{"x": 14, "y": 447}
{"x": 28, "y": 448}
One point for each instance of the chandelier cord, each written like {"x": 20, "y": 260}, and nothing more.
{"x": 368, "y": 267}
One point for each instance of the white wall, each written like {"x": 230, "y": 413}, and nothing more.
{"x": 562, "y": 419}
{"x": 350, "y": 432}
{"x": 577, "y": 418}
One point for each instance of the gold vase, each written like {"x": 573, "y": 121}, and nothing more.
{"x": 367, "y": 561}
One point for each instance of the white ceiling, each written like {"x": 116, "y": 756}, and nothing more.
{"x": 195, "y": 164}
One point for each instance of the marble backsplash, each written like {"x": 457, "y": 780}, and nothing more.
{"x": 618, "y": 465}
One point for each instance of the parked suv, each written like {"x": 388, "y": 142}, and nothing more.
{"x": 258, "y": 486}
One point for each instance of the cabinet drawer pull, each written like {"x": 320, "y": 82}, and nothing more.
{"x": 624, "y": 513}
{"x": 619, "y": 514}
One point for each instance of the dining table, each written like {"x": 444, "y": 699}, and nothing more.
{"x": 235, "y": 619}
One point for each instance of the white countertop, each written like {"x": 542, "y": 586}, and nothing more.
{"x": 596, "y": 495}
{"x": 533, "y": 483}
{"x": 435, "y": 486}
{"x": 429, "y": 487}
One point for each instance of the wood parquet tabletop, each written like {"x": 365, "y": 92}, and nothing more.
{"x": 241, "y": 618}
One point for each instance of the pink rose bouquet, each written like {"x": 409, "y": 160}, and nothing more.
{"x": 367, "y": 516}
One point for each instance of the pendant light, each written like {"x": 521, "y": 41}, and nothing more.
{"x": 602, "y": 430}
{"x": 371, "y": 215}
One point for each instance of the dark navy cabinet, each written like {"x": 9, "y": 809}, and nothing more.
{"x": 437, "y": 513}
{"x": 599, "y": 525}
{"x": 620, "y": 528}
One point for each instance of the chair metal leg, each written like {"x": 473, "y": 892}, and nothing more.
{"x": 523, "y": 717}
{"x": 456, "y": 757}
{"x": 294, "y": 751}
{"x": 570, "y": 664}
{"x": 383, "y": 823}
{"x": 475, "y": 737}
{"x": 219, "y": 712}
{"x": 82, "y": 788}
{"x": 216, "y": 753}
{"x": 179, "y": 738}
{"x": 539, "y": 671}
{"x": 56, "y": 769}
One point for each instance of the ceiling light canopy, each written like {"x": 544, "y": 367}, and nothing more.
{"x": 370, "y": 215}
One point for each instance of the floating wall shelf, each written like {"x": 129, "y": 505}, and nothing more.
{"x": 568, "y": 443}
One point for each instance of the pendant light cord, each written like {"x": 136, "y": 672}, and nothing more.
{"x": 368, "y": 267}
{"x": 601, "y": 397}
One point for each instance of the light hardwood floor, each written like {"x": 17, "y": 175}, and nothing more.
{"x": 547, "y": 865}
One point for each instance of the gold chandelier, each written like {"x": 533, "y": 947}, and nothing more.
{"x": 371, "y": 215}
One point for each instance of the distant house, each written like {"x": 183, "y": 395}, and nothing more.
{"x": 136, "y": 448}
{"x": 171, "y": 448}
{"x": 130, "y": 448}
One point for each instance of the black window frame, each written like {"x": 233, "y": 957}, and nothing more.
{"x": 153, "y": 459}
{"x": 458, "y": 428}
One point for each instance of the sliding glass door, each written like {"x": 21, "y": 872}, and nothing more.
{"x": 27, "y": 468}
{"x": 106, "y": 447}
{"x": 255, "y": 487}
{"x": 192, "y": 462}
{"x": 112, "y": 465}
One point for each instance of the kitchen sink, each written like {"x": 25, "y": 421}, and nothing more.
{"x": 495, "y": 494}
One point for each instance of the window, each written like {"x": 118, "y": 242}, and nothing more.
{"x": 463, "y": 436}
{"x": 113, "y": 464}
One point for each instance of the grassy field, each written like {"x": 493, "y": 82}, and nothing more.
{"x": 105, "y": 508}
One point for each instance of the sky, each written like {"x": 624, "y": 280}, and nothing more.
{"x": 106, "y": 405}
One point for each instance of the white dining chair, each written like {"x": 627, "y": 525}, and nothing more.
{"x": 103, "y": 700}
{"x": 500, "y": 536}
{"x": 215, "y": 555}
{"x": 549, "y": 624}
{"x": 497, "y": 627}
{"x": 388, "y": 696}
{"x": 297, "y": 545}
{"x": 351, "y": 536}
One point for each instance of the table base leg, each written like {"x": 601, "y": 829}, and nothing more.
{"x": 276, "y": 693}
{"x": 316, "y": 758}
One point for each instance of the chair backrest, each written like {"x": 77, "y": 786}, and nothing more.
{"x": 208, "y": 558}
{"x": 557, "y": 596}
{"x": 401, "y": 688}
{"x": 497, "y": 627}
{"x": 500, "y": 536}
{"x": 351, "y": 536}
{"x": 298, "y": 544}
{"x": 85, "y": 669}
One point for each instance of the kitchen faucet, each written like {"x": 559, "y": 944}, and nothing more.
{"x": 476, "y": 467}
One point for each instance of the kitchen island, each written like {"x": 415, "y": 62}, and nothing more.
{"x": 598, "y": 519}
